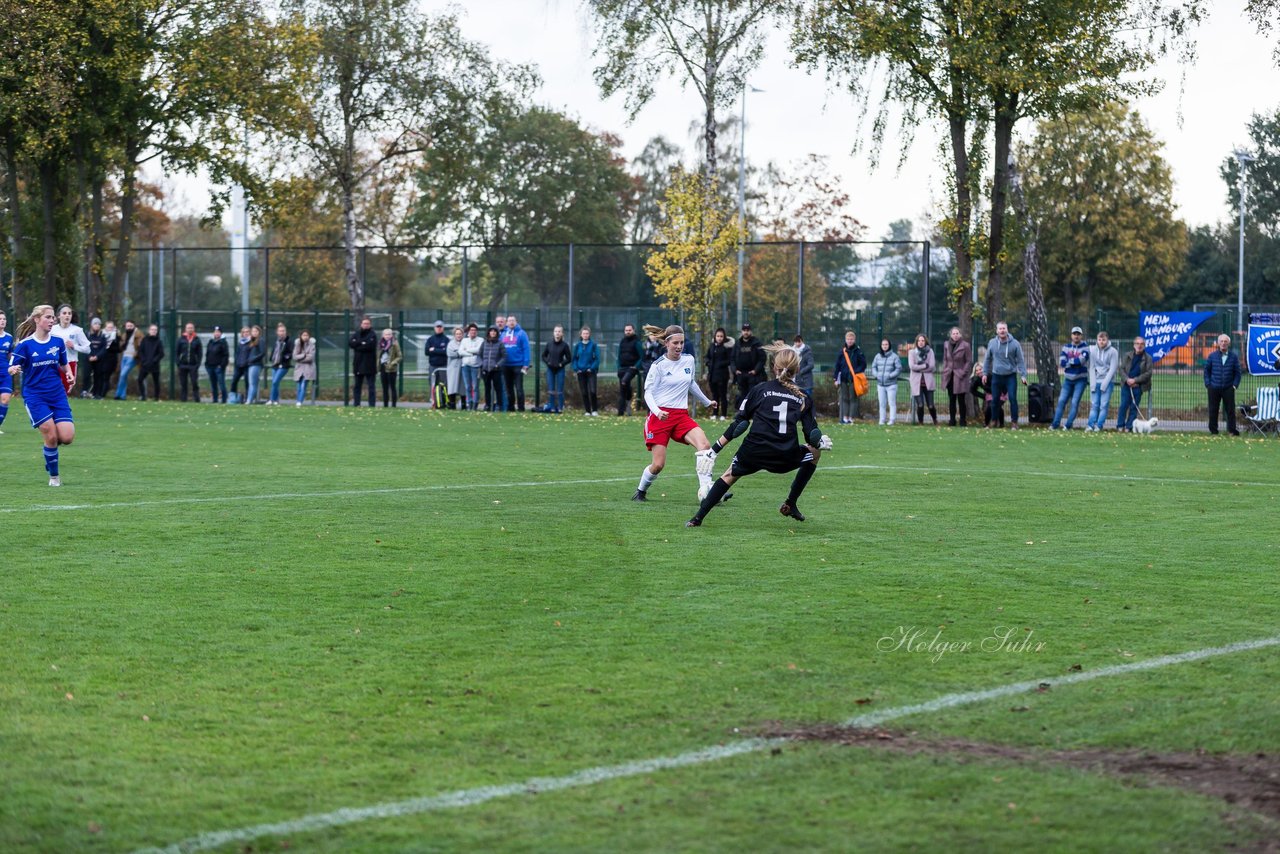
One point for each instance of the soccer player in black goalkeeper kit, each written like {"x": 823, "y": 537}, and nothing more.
{"x": 773, "y": 410}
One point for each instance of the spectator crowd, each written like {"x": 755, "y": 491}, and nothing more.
{"x": 486, "y": 371}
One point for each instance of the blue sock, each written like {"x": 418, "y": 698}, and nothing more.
{"x": 51, "y": 461}
{"x": 4, "y": 410}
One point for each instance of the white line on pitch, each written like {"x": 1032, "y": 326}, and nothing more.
{"x": 347, "y": 493}
{"x": 600, "y": 774}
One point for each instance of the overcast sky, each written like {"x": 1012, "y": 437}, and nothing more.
{"x": 1199, "y": 117}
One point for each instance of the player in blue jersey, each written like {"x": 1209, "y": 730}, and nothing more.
{"x": 6, "y": 381}
{"x": 41, "y": 358}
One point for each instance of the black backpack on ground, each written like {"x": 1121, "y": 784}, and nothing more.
{"x": 1039, "y": 403}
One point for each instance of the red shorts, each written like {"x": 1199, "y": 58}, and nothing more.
{"x": 676, "y": 426}
{"x": 68, "y": 383}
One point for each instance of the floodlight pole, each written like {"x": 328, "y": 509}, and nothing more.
{"x": 1243, "y": 158}
{"x": 742, "y": 197}
{"x": 742, "y": 194}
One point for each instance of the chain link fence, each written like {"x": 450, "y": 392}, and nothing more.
{"x": 876, "y": 289}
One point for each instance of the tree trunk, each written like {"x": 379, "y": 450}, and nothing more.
{"x": 1046, "y": 370}
{"x": 960, "y": 236}
{"x": 94, "y": 252}
{"x": 15, "y": 211}
{"x": 355, "y": 288}
{"x": 128, "y": 204}
{"x": 709, "y": 134}
{"x": 49, "y": 234}
{"x": 1005, "y": 113}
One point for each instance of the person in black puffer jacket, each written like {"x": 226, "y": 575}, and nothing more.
{"x": 719, "y": 362}
{"x": 493, "y": 358}
{"x": 216, "y": 358}
{"x": 748, "y": 363}
{"x": 150, "y": 354}
{"x": 555, "y": 355}
{"x": 364, "y": 359}
{"x": 630, "y": 360}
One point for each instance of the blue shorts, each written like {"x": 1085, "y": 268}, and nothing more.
{"x": 40, "y": 410}
{"x": 6, "y": 383}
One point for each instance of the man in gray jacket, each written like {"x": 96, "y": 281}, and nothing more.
{"x": 1001, "y": 370}
{"x": 1103, "y": 362}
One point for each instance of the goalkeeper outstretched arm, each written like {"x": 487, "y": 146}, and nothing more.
{"x": 812, "y": 432}
{"x": 736, "y": 428}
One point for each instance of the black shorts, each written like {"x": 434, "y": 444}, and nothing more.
{"x": 751, "y": 460}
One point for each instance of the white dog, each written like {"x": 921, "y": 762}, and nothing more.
{"x": 1141, "y": 426}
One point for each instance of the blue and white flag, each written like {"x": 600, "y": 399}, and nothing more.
{"x": 1264, "y": 349}
{"x": 1167, "y": 330}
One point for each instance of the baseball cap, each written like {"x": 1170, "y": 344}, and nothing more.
{"x": 217, "y": 329}
{"x": 1076, "y": 329}
{"x": 746, "y": 326}
{"x": 439, "y": 323}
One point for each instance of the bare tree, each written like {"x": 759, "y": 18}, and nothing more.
{"x": 710, "y": 44}
{"x": 382, "y": 82}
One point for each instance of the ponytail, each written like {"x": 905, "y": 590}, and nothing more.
{"x": 786, "y": 362}
{"x": 657, "y": 333}
{"x": 27, "y": 327}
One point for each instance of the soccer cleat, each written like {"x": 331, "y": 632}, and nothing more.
{"x": 727, "y": 496}
{"x": 695, "y": 522}
{"x": 792, "y": 511}
{"x": 55, "y": 481}
{"x": 639, "y": 496}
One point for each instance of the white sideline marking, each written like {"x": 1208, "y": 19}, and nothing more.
{"x": 600, "y": 774}
{"x": 341, "y": 493}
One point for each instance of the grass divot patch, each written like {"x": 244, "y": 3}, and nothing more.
{"x": 1250, "y": 782}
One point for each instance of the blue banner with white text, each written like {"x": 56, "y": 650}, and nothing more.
{"x": 1167, "y": 330}
{"x": 1264, "y": 349}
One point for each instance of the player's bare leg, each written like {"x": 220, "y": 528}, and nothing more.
{"x": 651, "y": 471}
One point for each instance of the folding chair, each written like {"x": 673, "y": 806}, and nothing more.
{"x": 1264, "y": 416}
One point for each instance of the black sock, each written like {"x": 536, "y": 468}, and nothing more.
{"x": 719, "y": 444}
{"x": 801, "y": 481}
{"x": 718, "y": 489}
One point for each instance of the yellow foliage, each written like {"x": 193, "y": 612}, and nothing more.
{"x": 697, "y": 261}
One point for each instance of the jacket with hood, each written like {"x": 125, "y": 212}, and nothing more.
{"x": 1103, "y": 363}
{"x": 517, "y": 344}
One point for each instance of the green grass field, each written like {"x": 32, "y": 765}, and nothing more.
{"x": 234, "y": 616}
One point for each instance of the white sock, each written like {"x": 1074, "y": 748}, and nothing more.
{"x": 646, "y": 479}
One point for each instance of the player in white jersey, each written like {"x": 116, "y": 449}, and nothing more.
{"x": 75, "y": 339}
{"x": 666, "y": 392}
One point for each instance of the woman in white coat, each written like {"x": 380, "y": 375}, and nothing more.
{"x": 469, "y": 351}
{"x": 453, "y": 368}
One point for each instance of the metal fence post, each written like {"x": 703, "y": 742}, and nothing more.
{"x": 403, "y": 361}
{"x": 315, "y": 336}
{"x": 924, "y": 291}
{"x": 466, "y": 292}
{"x": 537, "y": 325}
{"x": 266, "y": 286}
{"x": 346, "y": 363}
{"x": 569, "y": 312}
{"x": 173, "y": 346}
{"x": 799, "y": 294}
